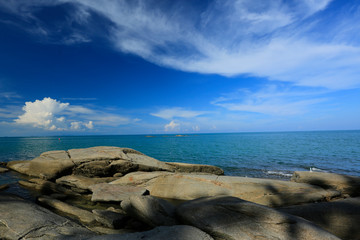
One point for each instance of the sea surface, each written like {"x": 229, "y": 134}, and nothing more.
{"x": 267, "y": 155}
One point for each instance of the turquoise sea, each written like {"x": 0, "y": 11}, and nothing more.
{"x": 266, "y": 155}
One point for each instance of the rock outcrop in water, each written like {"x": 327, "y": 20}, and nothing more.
{"x": 110, "y": 192}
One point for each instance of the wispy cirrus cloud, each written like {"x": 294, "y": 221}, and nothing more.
{"x": 177, "y": 112}
{"x": 278, "y": 40}
{"x": 272, "y": 100}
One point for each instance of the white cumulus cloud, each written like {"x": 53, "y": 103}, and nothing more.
{"x": 43, "y": 114}
{"x": 51, "y": 114}
{"x": 172, "y": 126}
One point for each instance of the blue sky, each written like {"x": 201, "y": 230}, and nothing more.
{"x": 153, "y": 67}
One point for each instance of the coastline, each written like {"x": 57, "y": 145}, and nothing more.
{"x": 90, "y": 185}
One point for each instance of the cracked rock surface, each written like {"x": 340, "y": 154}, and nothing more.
{"x": 21, "y": 219}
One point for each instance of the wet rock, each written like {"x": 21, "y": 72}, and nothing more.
{"x": 263, "y": 191}
{"x": 4, "y": 186}
{"x": 2, "y": 170}
{"x": 110, "y": 219}
{"x": 341, "y": 217}
{"x": 81, "y": 214}
{"x": 347, "y": 185}
{"x": 46, "y": 187}
{"x": 229, "y": 218}
{"x": 105, "y": 192}
{"x": 178, "y": 232}
{"x": 21, "y": 219}
{"x": 150, "y": 210}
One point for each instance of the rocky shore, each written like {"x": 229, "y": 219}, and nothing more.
{"x": 120, "y": 193}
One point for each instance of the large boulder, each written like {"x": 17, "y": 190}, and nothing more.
{"x": 347, "y": 185}
{"x": 150, "y": 210}
{"x": 48, "y": 165}
{"x": 229, "y": 218}
{"x": 341, "y": 217}
{"x": 263, "y": 191}
{"x": 178, "y": 232}
{"x": 104, "y": 192}
{"x": 21, "y": 219}
{"x": 100, "y": 162}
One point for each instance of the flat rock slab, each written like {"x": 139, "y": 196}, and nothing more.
{"x": 2, "y": 170}
{"x": 178, "y": 232}
{"x": 21, "y": 219}
{"x": 347, "y": 185}
{"x": 81, "y": 214}
{"x": 150, "y": 210}
{"x": 229, "y": 218}
{"x": 341, "y": 217}
{"x": 81, "y": 182}
{"x": 139, "y": 178}
{"x": 105, "y": 192}
{"x": 262, "y": 191}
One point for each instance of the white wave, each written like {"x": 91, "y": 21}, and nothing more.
{"x": 279, "y": 173}
{"x": 314, "y": 169}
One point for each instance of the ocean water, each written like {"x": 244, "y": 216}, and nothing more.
{"x": 267, "y": 155}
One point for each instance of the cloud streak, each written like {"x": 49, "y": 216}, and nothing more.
{"x": 177, "y": 112}
{"x": 271, "y": 39}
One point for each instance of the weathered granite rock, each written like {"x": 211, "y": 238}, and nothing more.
{"x": 2, "y": 170}
{"x": 110, "y": 219}
{"x": 263, "y": 191}
{"x": 139, "y": 178}
{"x": 105, "y": 192}
{"x": 196, "y": 168}
{"x": 48, "y": 165}
{"x": 4, "y": 186}
{"x": 21, "y": 219}
{"x": 349, "y": 185}
{"x": 178, "y": 232}
{"x": 98, "y": 168}
{"x": 341, "y": 217}
{"x": 81, "y": 182}
{"x": 82, "y": 215}
{"x": 98, "y": 153}
{"x": 46, "y": 187}
{"x": 229, "y": 218}
{"x": 150, "y": 210}
{"x": 123, "y": 167}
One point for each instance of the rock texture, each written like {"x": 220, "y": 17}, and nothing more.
{"x": 81, "y": 182}
{"x": 341, "y": 217}
{"x": 110, "y": 219}
{"x": 230, "y": 218}
{"x": 99, "y": 162}
{"x": 105, "y": 192}
{"x": 2, "y": 170}
{"x": 82, "y": 215}
{"x": 21, "y": 219}
{"x": 263, "y": 191}
{"x": 179, "y": 232}
{"x": 150, "y": 210}
{"x": 347, "y": 185}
